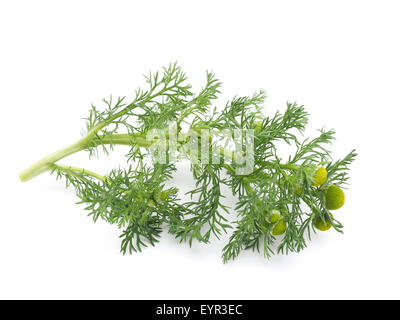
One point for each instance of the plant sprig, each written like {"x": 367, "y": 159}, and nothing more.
{"x": 138, "y": 200}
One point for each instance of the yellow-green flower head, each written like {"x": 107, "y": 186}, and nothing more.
{"x": 275, "y": 215}
{"x": 279, "y": 228}
{"x": 298, "y": 191}
{"x": 334, "y": 197}
{"x": 321, "y": 224}
{"x": 257, "y": 127}
{"x": 151, "y": 203}
{"x": 320, "y": 176}
{"x": 159, "y": 196}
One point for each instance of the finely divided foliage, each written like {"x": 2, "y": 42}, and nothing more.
{"x": 137, "y": 200}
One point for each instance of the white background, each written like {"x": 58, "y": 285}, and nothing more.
{"x": 338, "y": 58}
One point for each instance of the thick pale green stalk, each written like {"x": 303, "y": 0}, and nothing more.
{"x": 45, "y": 164}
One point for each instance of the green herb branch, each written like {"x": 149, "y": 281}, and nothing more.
{"x": 280, "y": 203}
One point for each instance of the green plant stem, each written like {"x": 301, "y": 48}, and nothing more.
{"x": 89, "y": 140}
{"x": 45, "y": 164}
{"x": 286, "y": 166}
{"x": 80, "y": 170}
